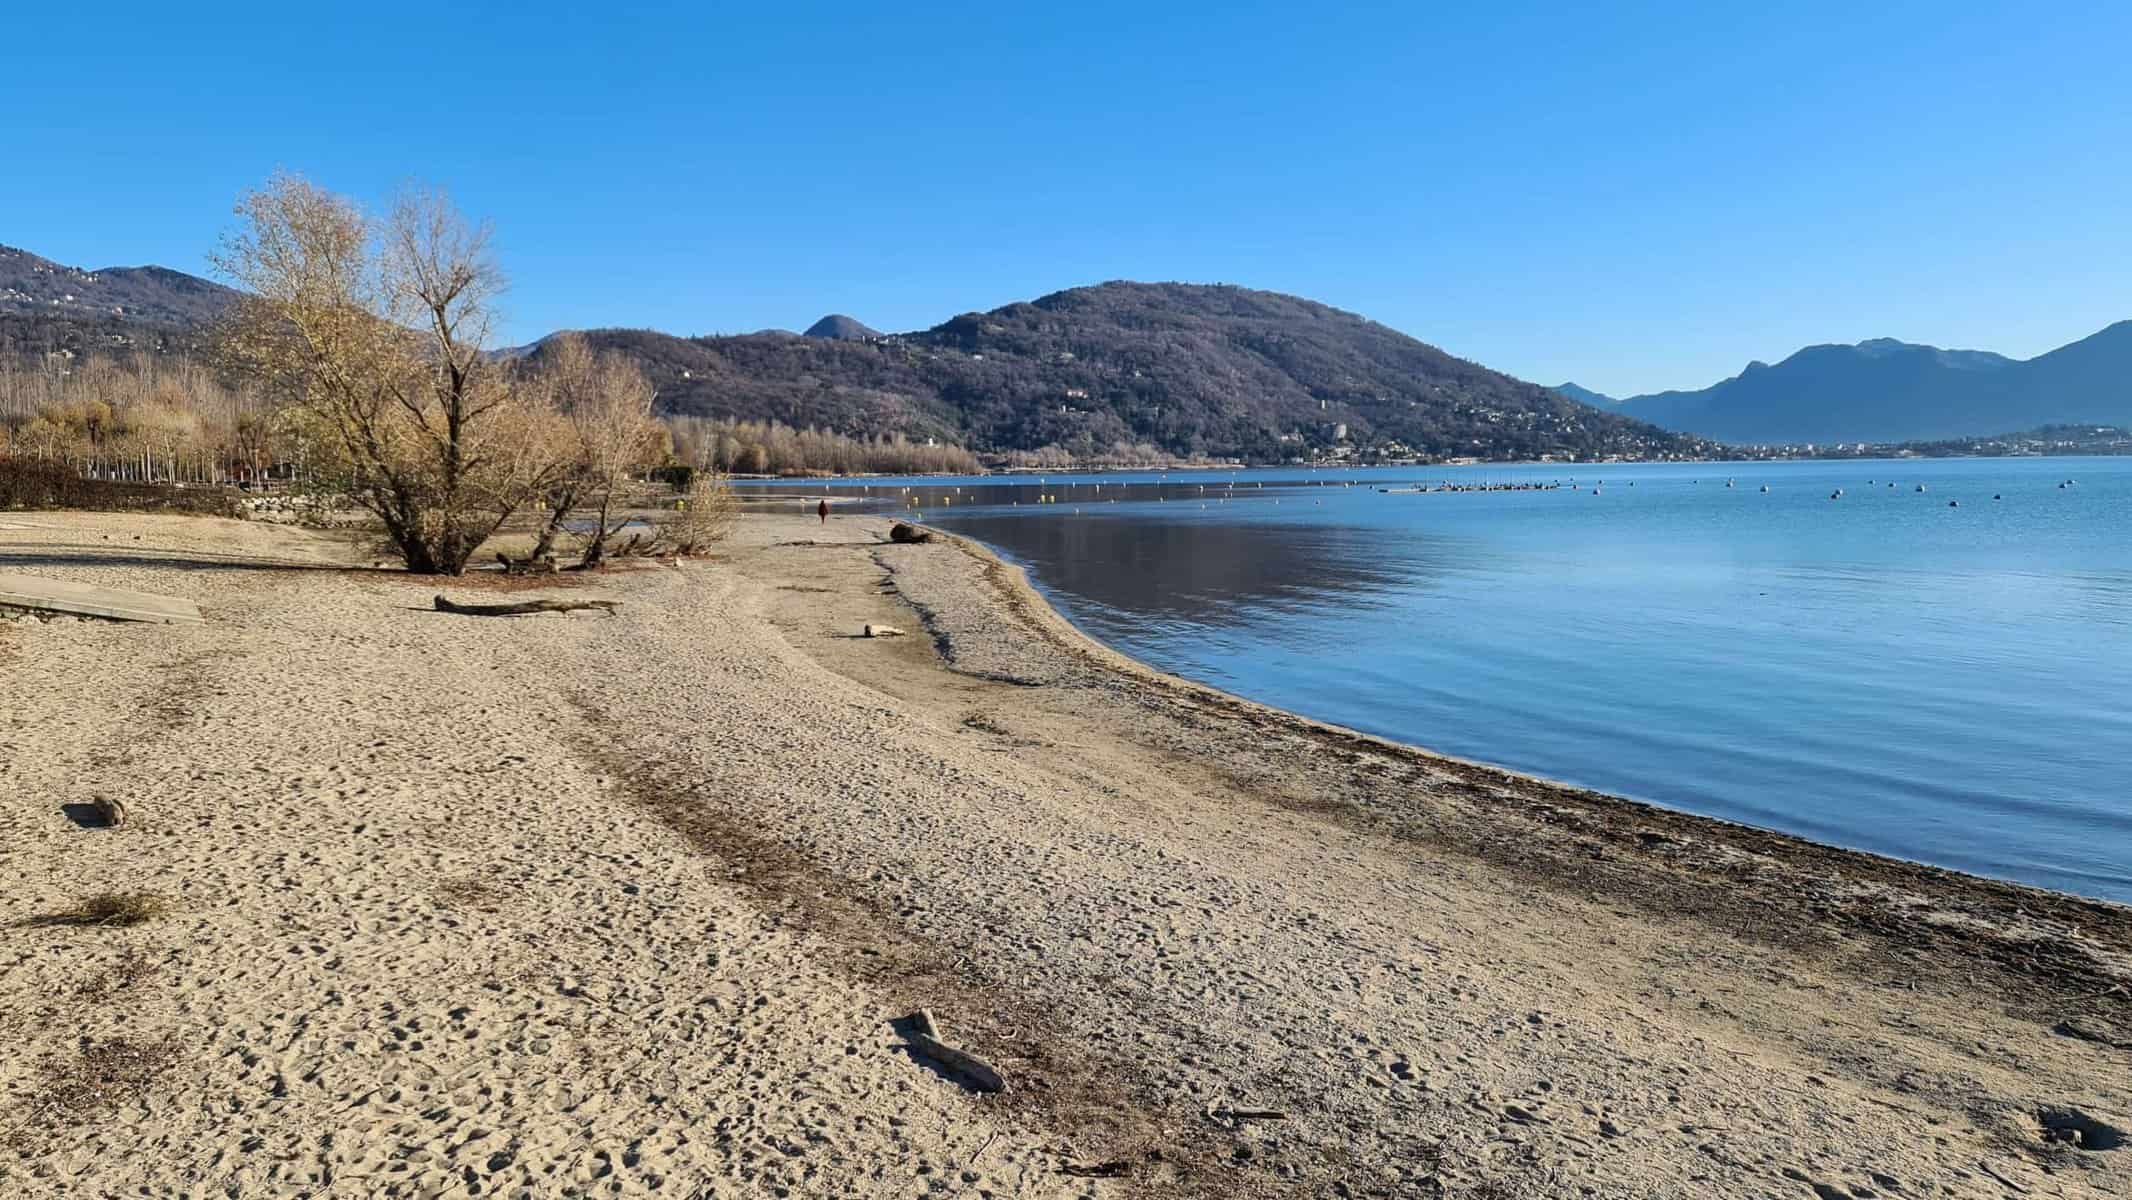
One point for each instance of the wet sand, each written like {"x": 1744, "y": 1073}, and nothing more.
{"x": 580, "y": 905}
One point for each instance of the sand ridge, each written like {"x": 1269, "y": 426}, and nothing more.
{"x": 589, "y": 906}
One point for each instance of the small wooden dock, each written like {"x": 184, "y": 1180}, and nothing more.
{"x": 35, "y": 593}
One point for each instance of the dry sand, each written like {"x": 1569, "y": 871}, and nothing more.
{"x": 587, "y": 905}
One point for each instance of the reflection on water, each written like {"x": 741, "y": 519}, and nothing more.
{"x": 1878, "y": 669}
{"x": 1126, "y": 571}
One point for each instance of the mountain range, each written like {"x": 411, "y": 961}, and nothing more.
{"x": 1191, "y": 369}
{"x": 1187, "y": 369}
{"x": 1884, "y": 390}
{"x": 1195, "y": 369}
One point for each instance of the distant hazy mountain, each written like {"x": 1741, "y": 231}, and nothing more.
{"x": 1889, "y": 391}
{"x": 1586, "y": 395}
{"x": 1190, "y": 368}
{"x": 841, "y": 327}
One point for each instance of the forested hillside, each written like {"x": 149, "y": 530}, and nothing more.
{"x": 47, "y": 308}
{"x": 1189, "y": 370}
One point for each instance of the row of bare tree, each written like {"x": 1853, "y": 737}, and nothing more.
{"x": 172, "y": 419}
{"x": 773, "y": 448}
{"x": 142, "y": 418}
{"x": 1121, "y": 454}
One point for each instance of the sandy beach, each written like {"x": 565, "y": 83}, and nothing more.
{"x": 640, "y": 905}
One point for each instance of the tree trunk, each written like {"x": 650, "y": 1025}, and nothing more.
{"x": 557, "y": 513}
{"x": 418, "y": 557}
{"x": 596, "y": 550}
{"x": 524, "y": 607}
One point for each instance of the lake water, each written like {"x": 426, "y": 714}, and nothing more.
{"x": 1881, "y": 670}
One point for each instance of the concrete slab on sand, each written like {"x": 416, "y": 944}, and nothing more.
{"x": 39, "y": 594}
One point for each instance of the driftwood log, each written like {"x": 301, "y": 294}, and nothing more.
{"x": 907, "y": 533}
{"x": 974, "y": 1072}
{"x": 525, "y": 608}
{"x": 111, "y": 812}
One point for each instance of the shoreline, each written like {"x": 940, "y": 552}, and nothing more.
{"x": 609, "y": 903}
{"x": 1020, "y": 473}
{"x": 1027, "y": 600}
{"x": 1065, "y": 626}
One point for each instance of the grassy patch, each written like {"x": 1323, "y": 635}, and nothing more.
{"x": 110, "y": 909}
{"x": 471, "y": 891}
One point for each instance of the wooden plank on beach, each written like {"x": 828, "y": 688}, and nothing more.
{"x": 38, "y": 594}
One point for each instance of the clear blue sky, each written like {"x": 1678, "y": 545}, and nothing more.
{"x": 1637, "y": 198}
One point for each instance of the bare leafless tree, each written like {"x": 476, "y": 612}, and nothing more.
{"x": 372, "y": 335}
{"x": 606, "y": 403}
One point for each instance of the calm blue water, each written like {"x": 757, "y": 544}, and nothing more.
{"x": 1882, "y": 671}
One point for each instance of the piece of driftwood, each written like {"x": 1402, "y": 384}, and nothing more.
{"x": 976, "y": 1073}
{"x": 1247, "y": 1114}
{"x": 525, "y": 608}
{"x": 873, "y": 631}
{"x": 908, "y": 534}
{"x": 111, "y": 812}
{"x": 1114, "y": 1169}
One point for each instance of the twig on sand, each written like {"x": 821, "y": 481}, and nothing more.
{"x": 525, "y": 607}
{"x": 1247, "y": 1114}
{"x": 1986, "y": 1168}
{"x": 2116, "y": 990}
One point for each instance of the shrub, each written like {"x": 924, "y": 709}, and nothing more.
{"x": 119, "y": 909}
{"x": 27, "y": 483}
{"x": 707, "y": 515}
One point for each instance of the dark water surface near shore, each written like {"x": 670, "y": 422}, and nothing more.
{"x": 1880, "y": 670}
